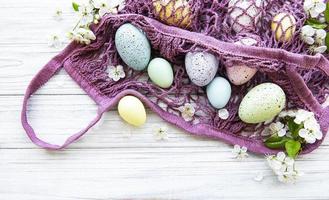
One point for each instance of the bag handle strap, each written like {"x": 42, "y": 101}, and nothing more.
{"x": 48, "y": 71}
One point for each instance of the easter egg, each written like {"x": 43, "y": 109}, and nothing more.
{"x": 173, "y": 12}
{"x": 132, "y": 110}
{"x": 284, "y": 26}
{"x": 244, "y": 15}
{"x": 133, "y": 46}
{"x": 262, "y": 103}
{"x": 219, "y": 92}
{"x": 239, "y": 73}
{"x": 201, "y": 67}
{"x": 160, "y": 72}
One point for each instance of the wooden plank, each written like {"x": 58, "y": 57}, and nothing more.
{"x": 106, "y": 163}
{"x": 162, "y": 173}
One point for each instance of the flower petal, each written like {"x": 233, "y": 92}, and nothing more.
{"x": 320, "y": 49}
{"x": 308, "y": 40}
{"x": 320, "y": 7}
{"x": 223, "y": 114}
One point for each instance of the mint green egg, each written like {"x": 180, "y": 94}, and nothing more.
{"x": 219, "y": 92}
{"x": 161, "y": 72}
{"x": 262, "y": 103}
{"x": 133, "y": 46}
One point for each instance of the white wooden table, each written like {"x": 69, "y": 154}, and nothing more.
{"x": 106, "y": 163}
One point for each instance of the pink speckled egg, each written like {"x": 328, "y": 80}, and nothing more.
{"x": 240, "y": 73}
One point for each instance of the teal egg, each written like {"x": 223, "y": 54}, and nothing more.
{"x": 160, "y": 72}
{"x": 133, "y": 46}
{"x": 219, "y": 92}
{"x": 262, "y": 103}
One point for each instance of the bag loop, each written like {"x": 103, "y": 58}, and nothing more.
{"x": 48, "y": 71}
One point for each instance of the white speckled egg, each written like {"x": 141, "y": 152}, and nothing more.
{"x": 239, "y": 73}
{"x": 244, "y": 15}
{"x": 160, "y": 72}
{"x": 133, "y": 46}
{"x": 262, "y": 103}
{"x": 132, "y": 110}
{"x": 284, "y": 27}
{"x": 219, "y": 92}
{"x": 201, "y": 67}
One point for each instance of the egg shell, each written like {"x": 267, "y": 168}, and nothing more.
{"x": 201, "y": 67}
{"x": 219, "y": 92}
{"x": 284, "y": 26}
{"x": 132, "y": 110}
{"x": 133, "y": 46}
{"x": 262, "y": 103}
{"x": 160, "y": 72}
{"x": 239, "y": 73}
{"x": 244, "y": 14}
{"x": 173, "y": 12}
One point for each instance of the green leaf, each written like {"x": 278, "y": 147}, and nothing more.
{"x": 75, "y": 6}
{"x": 326, "y": 13}
{"x": 316, "y": 24}
{"x": 276, "y": 142}
{"x": 293, "y": 148}
{"x": 327, "y": 41}
{"x": 294, "y": 128}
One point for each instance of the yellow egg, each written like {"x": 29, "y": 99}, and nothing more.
{"x": 173, "y": 12}
{"x": 284, "y": 27}
{"x": 132, "y": 110}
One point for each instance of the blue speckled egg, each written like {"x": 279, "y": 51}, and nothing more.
{"x": 201, "y": 67}
{"x": 219, "y": 92}
{"x": 262, "y": 103}
{"x": 133, "y": 46}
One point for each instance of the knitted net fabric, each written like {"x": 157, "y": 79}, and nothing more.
{"x": 209, "y": 28}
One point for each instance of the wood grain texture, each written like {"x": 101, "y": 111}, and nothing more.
{"x": 114, "y": 160}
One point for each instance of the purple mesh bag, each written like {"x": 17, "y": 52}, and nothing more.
{"x": 207, "y": 27}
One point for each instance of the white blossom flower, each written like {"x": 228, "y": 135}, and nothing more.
{"x": 86, "y": 15}
{"x": 108, "y": 6}
{"x": 58, "y": 15}
{"x": 187, "y": 111}
{"x": 116, "y": 72}
{"x": 240, "y": 152}
{"x": 121, "y": 5}
{"x": 302, "y": 115}
{"x": 82, "y": 35}
{"x": 320, "y": 36}
{"x": 259, "y": 176}
{"x": 314, "y": 7}
{"x": 318, "y": 49}
{"x": 278, "y": 128}
{"x": 289, "y": 177}
{"x": 284, "y": 167}
{"x": 102, "y": 6}
{"x": 311, "y": 124}
{"x": 310, "y": 136}
{"x": 307, "y": 34}
{"x": 161, "y": 133}
{"x": 55, "y": 41}
{"x": 289, "y": 113}
{"x": 223, "y": 113}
